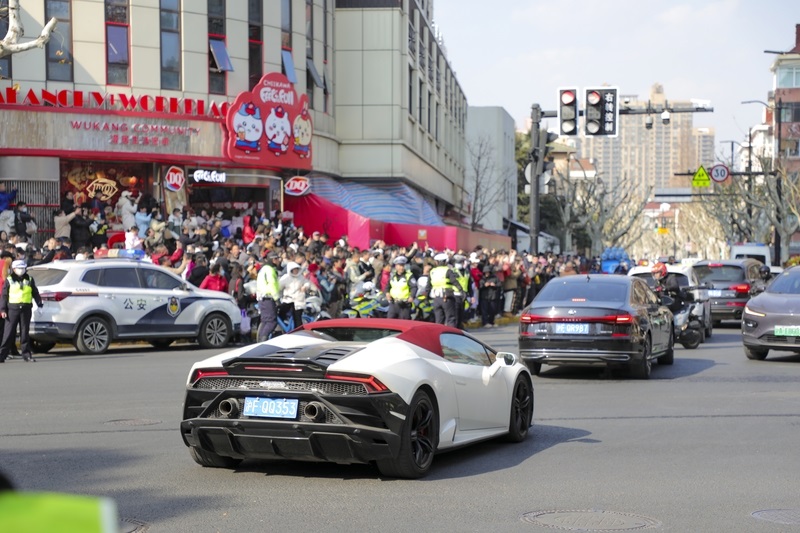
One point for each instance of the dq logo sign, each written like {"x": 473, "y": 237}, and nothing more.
{"x": 174, "y": 179}
{"x": 297, "y": 186}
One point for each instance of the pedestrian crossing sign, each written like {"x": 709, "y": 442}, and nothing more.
{"x": 701, "y": 178}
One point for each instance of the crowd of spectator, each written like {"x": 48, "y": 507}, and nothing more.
{"x": 224, "y": 253}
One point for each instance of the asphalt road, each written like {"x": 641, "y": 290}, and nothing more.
{"x": 701, "y": 446}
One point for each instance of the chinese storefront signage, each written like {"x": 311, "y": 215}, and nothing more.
{"x": 270, "y": 126}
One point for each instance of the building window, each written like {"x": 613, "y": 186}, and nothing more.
{"x": 788, "y": 77}
{"x": 430, "y": 111}
{"x": 325, "y": 32}
{"x": 255, "y": 17}
{"x": 310, "y": 89}
{"x": 59, "y": 47}
{"x": 327, "y": 91}
{"x": 287, "y": 66}
{"x": 286, "y": 24}
{"x": 412, "y": 40}
{"x": 117, "y": 58}
{"x": 218, "y": 61}
{"x": 420, "y": 107}
{"x": 5, "y": 63}
{"x": 171, "y": 44}
{"x": 310, "y": 28}
{"x": 411, "y": 91}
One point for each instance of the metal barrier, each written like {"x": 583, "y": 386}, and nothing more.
{"x": 43, "y": 198}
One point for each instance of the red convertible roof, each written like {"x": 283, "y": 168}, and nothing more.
{"x": 422, "y": 334}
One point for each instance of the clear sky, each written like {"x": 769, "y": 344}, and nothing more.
{"x": 512, "y": 53}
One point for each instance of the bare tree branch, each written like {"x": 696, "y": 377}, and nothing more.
{"x": 10, "y": 44}
{"x": 487, "y": 188}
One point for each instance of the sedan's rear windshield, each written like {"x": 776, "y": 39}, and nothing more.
{"x": 559, "y": 291}
{"x": 47, "y": 276}
{"x": 719, "y": 273}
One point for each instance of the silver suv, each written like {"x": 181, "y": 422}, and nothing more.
{"x": 92, "y": 303}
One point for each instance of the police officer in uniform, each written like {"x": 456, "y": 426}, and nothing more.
{"x": 268, "y": 294}
{"x": 443, "y": 283}
{"x": 402, "y": 289}
{"x": 464, "y": 290}
{"x": 16, "y": 306}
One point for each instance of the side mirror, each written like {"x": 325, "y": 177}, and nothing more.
{"x": 507, "y": 357}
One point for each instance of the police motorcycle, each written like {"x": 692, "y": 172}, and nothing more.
{"x": 367, "y": 302}
{"x": 422, "y": 309}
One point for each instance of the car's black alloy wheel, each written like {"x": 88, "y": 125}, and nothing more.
{"x": 215, "y": 331}
{"x": 521, "y": 410}
{"x": 755, "y": 354}
{"x": 418, "y": 440}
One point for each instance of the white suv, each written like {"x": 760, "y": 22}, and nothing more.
{"x": 92, "y": 303}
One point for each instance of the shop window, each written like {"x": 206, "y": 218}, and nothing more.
{"x": 288, "y": 66}
{"x": 170, "y": 44}
{"x": 5, "y": 63}
{"x": 59, "y": 47}
{"x": 255, "y": 43}
{"x": 117, "y": 57}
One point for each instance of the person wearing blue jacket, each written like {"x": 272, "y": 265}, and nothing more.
{"x": 6, "y": 197}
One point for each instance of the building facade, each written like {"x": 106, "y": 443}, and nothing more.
{"x": 491, "y": 173}
{"x": 217, "y": 104}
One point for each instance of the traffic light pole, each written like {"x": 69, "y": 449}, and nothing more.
{"x": 536, "y": 119}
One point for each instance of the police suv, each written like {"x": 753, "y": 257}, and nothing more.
{"x": 93, "y": 303}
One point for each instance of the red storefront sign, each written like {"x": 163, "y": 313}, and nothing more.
{"x": 174, "y": 179}
{"x": 270, "y": 126}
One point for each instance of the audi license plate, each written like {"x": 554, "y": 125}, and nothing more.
{"x": 787, "y": 331}
{"x": 715, "y": 293}
{"x": 270, "y": 407}
{"x": 571, "y": 329}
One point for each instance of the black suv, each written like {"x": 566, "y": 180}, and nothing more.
{"x": 729, "y": 284}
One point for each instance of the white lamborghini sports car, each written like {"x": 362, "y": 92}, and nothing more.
{"x": 383, "y": 391}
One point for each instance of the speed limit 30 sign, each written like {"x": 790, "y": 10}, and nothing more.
{"x": 719, "y": 173}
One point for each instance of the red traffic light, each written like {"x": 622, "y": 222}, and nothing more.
{"x": 567, "y": 97}
{"x": 593, "y": 97}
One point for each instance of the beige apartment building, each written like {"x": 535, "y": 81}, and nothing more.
{"x": 217, "y": 104}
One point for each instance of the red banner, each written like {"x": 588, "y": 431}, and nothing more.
{"x": 270, "y": 126}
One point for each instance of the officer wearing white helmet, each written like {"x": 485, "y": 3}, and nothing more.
{"x": 443, "y": 289}
{"x": 16, "y": 306}
{"x": 402, "y": 289}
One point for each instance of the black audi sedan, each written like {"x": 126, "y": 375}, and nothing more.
{"x": 597, "y": 320}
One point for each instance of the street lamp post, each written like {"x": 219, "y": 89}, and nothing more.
{"x": 777, "y": 109}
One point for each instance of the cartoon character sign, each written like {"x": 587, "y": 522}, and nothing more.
{"x": 302, "y": 133}
{"x": 278, "y": 131}
{"x": 248, "y": 128}
{"x": 270, "y": 126}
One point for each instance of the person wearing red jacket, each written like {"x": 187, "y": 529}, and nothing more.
{"x": 248, "y": 233}
{"x": 215, "y": 281}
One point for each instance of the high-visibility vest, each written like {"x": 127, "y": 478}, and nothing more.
{"x": 19, "y": 292}
{"x": 440, "y": 282}
{"x": 399, "y": 287}
{"x": 267, "y": 283}
{"x": 463, "y": 280}
{"x": 44, "y": 512}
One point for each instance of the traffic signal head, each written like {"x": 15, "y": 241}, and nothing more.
{"x": 568, "y": 111}
{"x": 601, "y": 112}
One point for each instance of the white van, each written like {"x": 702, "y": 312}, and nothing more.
{"x": 753, "y": 250}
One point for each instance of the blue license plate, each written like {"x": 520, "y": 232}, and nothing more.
{"x": 270, "y": 407}
{"x": 571, "y": 329}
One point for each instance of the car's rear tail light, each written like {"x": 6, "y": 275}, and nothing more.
{"x": 372, "y": 383}
{"x": 275, "y": 368}
{"x": 201, "y": 373}
{"x": 741, "y": 288}
{"x": 54, "y": 296}
{"x": 624, "y": 318}
{"x": 620, "y": 318}
{"x": 715, "y": 265}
